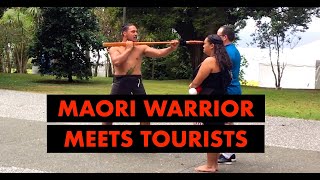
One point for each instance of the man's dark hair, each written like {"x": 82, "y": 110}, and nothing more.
{"x": 229, "y": 31}
{"x": 125, "y": 27}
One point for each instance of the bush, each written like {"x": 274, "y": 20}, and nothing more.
{"x": 244, "y": 64}
{"x": 175, "y": 66}
{"x": 29, "y": 63}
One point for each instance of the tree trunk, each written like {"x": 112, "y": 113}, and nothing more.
{"x": 109, "y": 65}
{"x": 87, "y": 53}
{"x": 70, "y": 78}
{"x": 24, "y": 59}
{"x": 16, "y": 57}
{"x": 24, "y": 64}
{"x": 196, "y": 55}
{"x": 69, "y": 71}
{"x": 187, "y": 32}
{"x": 1, "y": 64}
{"x": 20, "y": 58}
{"x": 95, "y": 74}
{"x": 8, "y": 60}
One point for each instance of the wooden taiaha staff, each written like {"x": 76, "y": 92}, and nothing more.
{"x": 181, "y": 42}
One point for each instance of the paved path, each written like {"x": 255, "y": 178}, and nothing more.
{"x": 292, "y": 146}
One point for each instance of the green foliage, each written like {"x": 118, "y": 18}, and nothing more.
{"x": 17, "y": 30}
{"x": 191, "y": 23}
{"x": 109, "y": 23}
{"x": 64, "y": 39}
{"x": 175, "y": 66}
{"x": 29, "y": 63}
{"x": 284, "y": 20}
{"x": 244, "y": 64}
{"x": 157, "y": 23}
{"x": 18, "y": 17}
{"x": 179, "y": 65}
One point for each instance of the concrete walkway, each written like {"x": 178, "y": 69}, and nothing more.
{"x": 292, "y": 146}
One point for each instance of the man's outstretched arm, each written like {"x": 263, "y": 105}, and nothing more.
{"x": 157, "y": 53}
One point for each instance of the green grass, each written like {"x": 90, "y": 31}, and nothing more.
{"x": 292, "y": 103}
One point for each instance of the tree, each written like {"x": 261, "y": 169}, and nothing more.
{"x": 280, "y": 29}
{"x": 17, "y": 32}
{"x": 191, "y": 23}
{"x": 109, "y": 25}
{"x": 2, "y": 10}
{"x": 63, "y": 40}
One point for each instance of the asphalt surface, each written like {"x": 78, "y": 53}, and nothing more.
{"x": 291, "y": 146}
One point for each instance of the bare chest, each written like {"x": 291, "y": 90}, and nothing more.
{"x": 135, "y": 55}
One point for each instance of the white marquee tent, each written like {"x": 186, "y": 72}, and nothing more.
{"x": 302, "y": 70}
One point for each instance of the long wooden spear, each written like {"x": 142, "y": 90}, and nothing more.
{"x": 182, "y": 42}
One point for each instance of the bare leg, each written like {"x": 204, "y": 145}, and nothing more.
{"x": 212, "y": 163}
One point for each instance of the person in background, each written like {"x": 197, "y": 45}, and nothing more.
{"x": 227, "y": 35}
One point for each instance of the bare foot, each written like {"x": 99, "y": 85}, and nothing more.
{"x": 205, "y": 168}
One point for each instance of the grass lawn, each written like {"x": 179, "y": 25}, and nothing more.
{"x": 292, "y": 103}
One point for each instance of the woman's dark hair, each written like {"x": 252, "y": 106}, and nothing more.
{"x": 220, "y": 52}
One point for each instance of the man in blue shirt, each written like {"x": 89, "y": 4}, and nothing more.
{"x": 227, "y": 35}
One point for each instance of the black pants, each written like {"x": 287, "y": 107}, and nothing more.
{"x": 127, "y": 85}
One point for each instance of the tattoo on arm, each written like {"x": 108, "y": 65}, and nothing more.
{"x": 130, "y": 71}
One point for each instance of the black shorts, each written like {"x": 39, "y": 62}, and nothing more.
{"x": 127, "y": 85}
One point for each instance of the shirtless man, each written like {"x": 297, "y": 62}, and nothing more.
{"x": 127, "y": 62}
